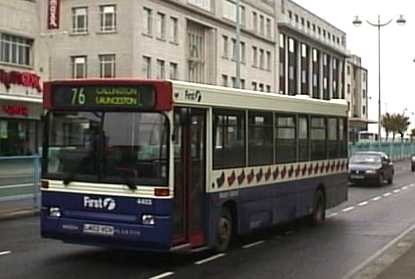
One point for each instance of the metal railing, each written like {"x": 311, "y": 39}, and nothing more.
{"x": 19, "y": 178}
{"x": 395, "y": 150}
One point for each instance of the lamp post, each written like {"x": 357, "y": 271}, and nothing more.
{"x": 379, "y": 24}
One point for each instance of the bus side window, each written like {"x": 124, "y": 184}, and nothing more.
{"x": 229, "y": 139}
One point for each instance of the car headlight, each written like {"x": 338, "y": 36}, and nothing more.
{"x": 413, "y": 158}
{"x": 371, "y": 171}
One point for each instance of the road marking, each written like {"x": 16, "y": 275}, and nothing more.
{"x": 363, "y": 203}
{"x": 163, "y": 275}
{"x": 394, "y": 241}
{"x": 210, "y": 258}
{"x": 396, "y": 191}
{"x": 253, "y": 244}
{"x": 4, "y": 253}
{"x": 376, "y": 198}
{"x": 348, "y": 209}
{"x": 404, "y": 188}
{"x": 387, "y": 194}
{"x": 332, "y": 215}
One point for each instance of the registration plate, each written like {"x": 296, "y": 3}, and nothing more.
{"x": 99, "y": 229}
{"x": 355, "y": 176}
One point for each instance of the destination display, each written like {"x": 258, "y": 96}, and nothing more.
{"x": 104, "y": 96}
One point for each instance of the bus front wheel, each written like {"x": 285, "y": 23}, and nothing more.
{"x": 224, "y": 230}
{"x": 318, "y": 215}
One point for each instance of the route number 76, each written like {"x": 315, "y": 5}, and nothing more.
{"x": 78, "y": 96}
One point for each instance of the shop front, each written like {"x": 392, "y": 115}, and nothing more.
{"x": 20, "y": 113}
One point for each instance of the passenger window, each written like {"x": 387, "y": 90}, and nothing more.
{"x": 260, "y": 136}
{"x": 303, "y": 139}
{"x": 286, "y": 145}
{"x": 332, "y": 144}
{"x": 318, "y": 138}
{"x": 229, "y": 139}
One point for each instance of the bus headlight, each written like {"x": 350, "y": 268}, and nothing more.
{"x": 55, "y": 212}
{"x": 148, "y": 219}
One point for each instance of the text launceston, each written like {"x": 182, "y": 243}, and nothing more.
{"x": 116, "y": 101}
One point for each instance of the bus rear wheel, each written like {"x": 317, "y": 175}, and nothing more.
{"x": 318, "y": 215}
{"x": 224, "y": 230}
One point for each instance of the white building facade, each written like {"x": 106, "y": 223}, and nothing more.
{"x": 357, "y": 96}
{"x": 20, "y": 81}
{"x": 188, "y": 40}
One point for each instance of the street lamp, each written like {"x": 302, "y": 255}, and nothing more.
{"x": 357, "y": 22}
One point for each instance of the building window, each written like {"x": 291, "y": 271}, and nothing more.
{"x": 174, "y": 74}
{"x": 79, "y": 66}
{"x": 234, "y": 50}
{"x": 204, "y": 4}
{"x": 348, "y": 70}
{"x": 364, "y": 93}
{"x": 107, "y": 65}
{"x": 233, "y": 82}
{"x": 16, "y": 50}
{"x": 18, "y": 137}
{"x": 261, "y": 87}
{"x": 242, "y": 83}
{"x": 174, "y": 30}
{"x": 269, "y": 28}
{"x": 255, "y": 21}
{"x": 80, "y": 20}
{"x": 268, "y": 88}
{"x": 290, "y": 14}
{"x": 254, "y": 56}
{"x": 243, "y": 52}
{"x": 364, "y": 110}
{"x": 148, "y": 21}
{"x": 161, "y": 71}
{"x": 108, "y": 18}
{"x": 224, "y": 80}
{"x": 348, "y": 88}
{"x": 269, "y": 60}
{"x": 161, "y": 26}
{"x": 147, "y": 67}
{"x": 261, "y": 25}
{"x": 254, "y": 86}
{"x": 261, "y": 59}
{"x": 225, "y": 47}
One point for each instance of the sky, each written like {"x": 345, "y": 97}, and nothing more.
{"x": 397, "y": 48}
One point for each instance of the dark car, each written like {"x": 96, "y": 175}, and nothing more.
{"x": 371, "y": 167}
{"x": 413, "y": 162}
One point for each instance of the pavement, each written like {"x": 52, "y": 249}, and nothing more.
{"x": 17, "y": 208}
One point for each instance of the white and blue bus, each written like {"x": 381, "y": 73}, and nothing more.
{"x": 169, "y": 166}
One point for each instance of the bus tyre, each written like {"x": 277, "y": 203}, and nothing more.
{"x": 224, "y": 231}
{"x": 318, "y": 215}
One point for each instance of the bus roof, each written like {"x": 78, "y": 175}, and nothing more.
{"x": 186, "y": 93}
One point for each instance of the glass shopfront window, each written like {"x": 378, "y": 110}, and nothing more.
{"x": 18, "y": 137}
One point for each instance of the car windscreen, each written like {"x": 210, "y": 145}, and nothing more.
{"x": 365, "y": 159}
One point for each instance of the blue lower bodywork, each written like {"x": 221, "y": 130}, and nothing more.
{"x": 256, "y": 208}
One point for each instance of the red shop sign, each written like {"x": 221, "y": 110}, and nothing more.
{"x": 20, "y": 78}
{"x": 14, "y": 110}
{"x": 53, "y": 14}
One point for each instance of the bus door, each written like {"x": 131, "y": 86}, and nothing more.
{"x": 189, "y": 175}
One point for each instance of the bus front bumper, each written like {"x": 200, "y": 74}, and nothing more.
{"x": 108, "y": 234}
